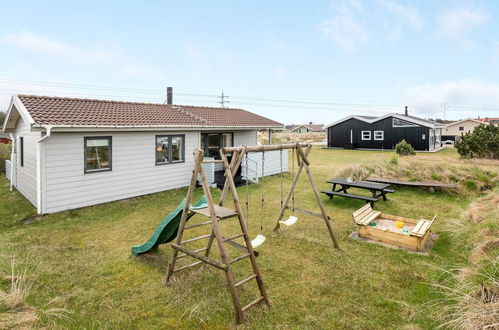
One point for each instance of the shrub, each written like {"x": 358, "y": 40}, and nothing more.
{"x": 403, "y": 148}
{"x": 394, "y": 160}
{"x": 4, "y": 155}
{"x": 482, "y": 142}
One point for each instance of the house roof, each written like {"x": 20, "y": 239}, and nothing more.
{"x": 313, "y": 127}
{"x": 411, "y": 119}
{"x": 488, "y": 120}
{"x": 75, "y": 112}
{"x": 462, "y": 121}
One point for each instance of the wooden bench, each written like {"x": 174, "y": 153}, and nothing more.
{"x": 412, "y": 183}
{"x": 368, "y": 199}
{"x": 390, "y": 191}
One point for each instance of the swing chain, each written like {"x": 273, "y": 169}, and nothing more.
{"x": 280, "y": 176}
{"x": 247, "y": 190}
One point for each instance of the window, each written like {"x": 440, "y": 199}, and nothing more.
{"x": 97, "y": 154}
{"x": 21, "y": 151}
{"x": 170, "y": 149}
{"x": 366, "y": 135}
{"x": 211, "y": 143}
{"x": 402, "y": 123}
{"x": 461, "y": 128}
{"x": 379, "y": 135}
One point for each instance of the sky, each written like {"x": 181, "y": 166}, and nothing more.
{"x": 292, "y": 61}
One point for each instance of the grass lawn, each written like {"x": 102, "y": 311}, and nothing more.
{"x": 82, "y": 262}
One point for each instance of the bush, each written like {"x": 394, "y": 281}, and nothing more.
{"x": 403, "y": 148}
{"x": 482, "y": 142}
{"x": 4, "y": 155}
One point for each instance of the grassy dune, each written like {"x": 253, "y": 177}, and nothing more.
{"x": 82, "y": 263}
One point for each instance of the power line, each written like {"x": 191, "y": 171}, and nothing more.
{"x": 253, "y": 100}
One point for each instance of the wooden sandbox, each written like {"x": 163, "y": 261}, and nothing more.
{"x": 383, "y": 228}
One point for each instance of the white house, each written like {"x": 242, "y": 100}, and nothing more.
{"x": 70, "y": 153}
{"x": 458, "y": 128}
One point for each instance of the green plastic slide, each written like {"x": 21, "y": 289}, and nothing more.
{"x": 167, "y": 229}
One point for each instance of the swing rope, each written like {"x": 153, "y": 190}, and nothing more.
{"x": 293, "y": 176}
{"x": 263, "y": 189}
{"x": 280, "y": 177}
{"x": 260, "y": 238}
{"x": 247, "y": 190}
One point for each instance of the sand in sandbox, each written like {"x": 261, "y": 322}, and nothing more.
{"x": 386, "y": 224}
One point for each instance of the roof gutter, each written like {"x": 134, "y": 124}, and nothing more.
{"x": 12, "y": 161}
{"x": 48, "y": 130}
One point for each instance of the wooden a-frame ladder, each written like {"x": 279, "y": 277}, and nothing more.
{"x": 216, "y": 213}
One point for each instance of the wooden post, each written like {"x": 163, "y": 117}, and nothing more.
{"x": 223, "y": 252}
{"x": 198, "y": 159}
{"x": 244, "y": 228}
{"x": 305, "y": 162}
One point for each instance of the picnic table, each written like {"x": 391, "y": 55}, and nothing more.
{"x": 377, "y": 189}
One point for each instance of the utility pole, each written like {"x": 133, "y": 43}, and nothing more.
{"x": 444, "y": 108}
{"x": 222, "y": 99}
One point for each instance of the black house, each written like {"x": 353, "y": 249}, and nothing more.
{"x": 365, "y": 132}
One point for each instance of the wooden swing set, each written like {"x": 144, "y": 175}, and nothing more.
{"x": 218, "y": 212}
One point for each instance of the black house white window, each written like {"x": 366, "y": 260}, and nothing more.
{"x": 366, "y": 135}
{"x": 379, "y": 135}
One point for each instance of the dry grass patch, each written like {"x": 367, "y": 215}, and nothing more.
{"x": 470, "y": 293}
{"x": 15, "y": 312}
{"x": 469, "y": 179}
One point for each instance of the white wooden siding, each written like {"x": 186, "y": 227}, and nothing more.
{"x": 272, "y": 164}
{"x": 26, "y": 175}
{"x": 241, "y": 138}
{"x": 134, "y": 171}
{"x": 245, "y": 138}
{"x": 8, "y": 169}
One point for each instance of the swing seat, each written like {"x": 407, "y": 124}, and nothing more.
{"x": 258, "y": 240}
{"x": 290, "y": 221}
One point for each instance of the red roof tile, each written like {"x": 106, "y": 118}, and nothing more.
{"x": 47, "y": 110}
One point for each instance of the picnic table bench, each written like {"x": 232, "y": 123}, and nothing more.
{"x": 377, "y": 189}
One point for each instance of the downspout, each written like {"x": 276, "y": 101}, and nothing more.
{"x": 48, "y": 130}
{"x": 12, "y": 161}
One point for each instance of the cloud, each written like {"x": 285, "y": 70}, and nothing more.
{"x": 462, "y": 91}
{"x": 139, "y": 71}
{"x": 30, "y": 41}
{"x": 398, "y": 17}
{"x": 403, "y": 14}
{"x": 192, "y": 51}
{"x": 454, "y": 24}
{"x": 112, "y": 56}
{"x": 354, "y": 24}
{"x": 345, "y": 28}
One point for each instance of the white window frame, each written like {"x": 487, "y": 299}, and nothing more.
{"x": 365, "y": 138}
{"x": 382, "y": 135}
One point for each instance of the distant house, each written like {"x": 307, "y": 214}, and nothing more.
{"x": 384, "y": 132}
{"x": 306, "y": 128}
{"x": 4, "y": 138}
{"x": 493, "y": 121}
{"x": 71, "y": 153}
{"x": 454, "y": 130}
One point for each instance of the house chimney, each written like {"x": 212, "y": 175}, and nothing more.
{"x": 169, "y": 95}
{"x": 310, "y": 123}
{"x": 406, "y": 111}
